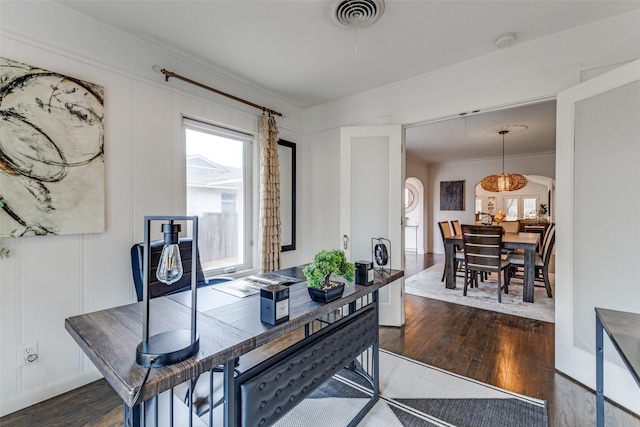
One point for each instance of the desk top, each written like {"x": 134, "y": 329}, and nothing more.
{"x": 110, "y": 337}
{"x": 624, "y": 330}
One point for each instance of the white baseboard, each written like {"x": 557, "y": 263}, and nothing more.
{"x": 36, "y": 395}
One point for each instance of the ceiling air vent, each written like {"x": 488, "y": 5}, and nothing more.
{"x": 356, "y": 13}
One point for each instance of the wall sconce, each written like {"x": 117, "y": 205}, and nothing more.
{"x": 167, "y": 348}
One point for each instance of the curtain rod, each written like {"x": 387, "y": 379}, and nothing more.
{"x": 168, "y": 74}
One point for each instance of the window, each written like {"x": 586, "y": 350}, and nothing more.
{"x": 228, "y": 203}
{"x": 219, "y": 193}
{"x": 511, "y": 208}
{"x": 528, "y": 205}
{"x": 411, "y": 197}
{"x": 479, "y": 203}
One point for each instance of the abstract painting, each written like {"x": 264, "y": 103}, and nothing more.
{"x": 51, "y": 152}
{"x": 451, "y": 195}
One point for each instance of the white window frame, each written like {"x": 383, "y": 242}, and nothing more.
{"x": 249, "y": 201}
{"x": 537, "y": 206}
{"x": 520, "y": 199}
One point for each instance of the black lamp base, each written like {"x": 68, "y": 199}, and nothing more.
{"x": 167, "y": 348}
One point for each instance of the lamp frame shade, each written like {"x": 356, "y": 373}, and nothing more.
{"x": 503, "y": 181}
{"x": 167, "y": 348}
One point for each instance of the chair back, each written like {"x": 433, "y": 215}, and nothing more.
{"x": 455, "y": 225}
{"x": 550, "y": 240}
{"x": 550, "y": 229}
{"x": 157, "y": 288}
{"x": 511, "y": 226}
{"x": 482, "y": 247}
{"x": 445, "y": 230}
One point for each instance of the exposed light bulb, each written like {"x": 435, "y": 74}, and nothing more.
{"x": 170, "y": 265}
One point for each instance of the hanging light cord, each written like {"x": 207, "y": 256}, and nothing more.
{"x": 503, "y": 132}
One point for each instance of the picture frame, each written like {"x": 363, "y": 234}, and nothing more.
{"x": 452, "y": 195}
{"x": 52, "y": 152}
{"x": 287, "y": 159}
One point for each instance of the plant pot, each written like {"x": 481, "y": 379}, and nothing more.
{"x": 326, "y": 295}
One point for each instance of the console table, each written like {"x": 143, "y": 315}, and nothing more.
{"x": 227, "y": 329}
{"x": 624, "y": 331}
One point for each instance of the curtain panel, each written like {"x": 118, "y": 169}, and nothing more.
{"x": 270, "y": 222}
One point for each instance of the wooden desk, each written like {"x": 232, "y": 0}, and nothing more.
{"x": 526, "y": 241}
{"x": 622, "y": 329}
{"x": 110, "y": 337}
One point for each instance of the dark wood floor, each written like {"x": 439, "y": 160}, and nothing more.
{"x": 511, "y": 352}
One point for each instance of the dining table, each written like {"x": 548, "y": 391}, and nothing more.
{"x": 525, "y": 241}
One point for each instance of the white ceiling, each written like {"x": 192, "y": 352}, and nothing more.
{"x": 295, "y": 50}
{"x": 470, "y": 137}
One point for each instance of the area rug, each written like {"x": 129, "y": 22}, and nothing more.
{"x": 415, "y": 394}
{"x": 428, "y": 284}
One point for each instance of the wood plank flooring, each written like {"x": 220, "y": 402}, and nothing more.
{"x": 511, "y": 352}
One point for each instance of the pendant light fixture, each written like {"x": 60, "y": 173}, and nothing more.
{"x": 504, "y": 181}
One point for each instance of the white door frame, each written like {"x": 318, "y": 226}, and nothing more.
{"x": 570, "y": 359}
{"x": 391, "y": 299}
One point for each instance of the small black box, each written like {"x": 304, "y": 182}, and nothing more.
{"x": 364, "y": 272}
{"x": 274, "y": 304}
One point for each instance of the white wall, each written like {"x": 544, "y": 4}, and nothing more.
{"x": 420, "y": 171}
{"x": 48, "y": 279}
{"x": 472, "y": 173}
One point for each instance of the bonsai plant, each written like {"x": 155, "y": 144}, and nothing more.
{"x": 325, "y": 264}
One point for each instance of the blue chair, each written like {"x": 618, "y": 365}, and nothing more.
{"x": 157, "y": 288}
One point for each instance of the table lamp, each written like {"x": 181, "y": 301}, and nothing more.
{"x": 169, "y": 347}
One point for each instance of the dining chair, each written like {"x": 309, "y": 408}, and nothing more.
{"x": 445, "y": 231}
{"x": 551, "y": 228}
{"x": 516, "y": 261}
{"x": 510, "y": 226}
{"x": 455, "y": 225}
{"x": 483, "y": 254}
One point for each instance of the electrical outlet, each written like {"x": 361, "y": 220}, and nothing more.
{"x": 27, "y": 354}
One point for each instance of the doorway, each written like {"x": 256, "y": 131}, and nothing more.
{"x": 414, "y": 216}
{"x": 468, "y": 148}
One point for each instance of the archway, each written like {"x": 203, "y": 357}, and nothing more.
{"x": 414, "y": 221}
{"x": 520, "y": 205}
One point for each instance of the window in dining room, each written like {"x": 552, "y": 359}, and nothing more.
{"x": 511, "y": 208}
{"x": 479, "y": 203}
{"x": 530, "y": 207}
